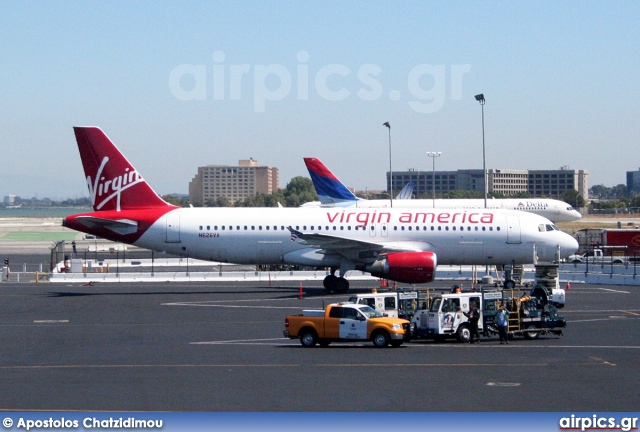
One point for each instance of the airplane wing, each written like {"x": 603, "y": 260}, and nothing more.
{"x": 122, "y": 226}
{"x": 350, "y": 247}
{"x": 406, "y": 192}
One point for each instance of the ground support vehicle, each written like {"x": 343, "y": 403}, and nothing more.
{"x": 597, "y": 256}
{"x": 395, "y": 304}
{"x": 346, "y": 322}
{"x": 530, "y": 314}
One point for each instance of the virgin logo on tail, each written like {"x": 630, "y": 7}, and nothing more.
{"x": 104, "y": 189}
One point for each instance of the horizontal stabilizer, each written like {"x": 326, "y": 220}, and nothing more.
{"x": 122, "y": 226}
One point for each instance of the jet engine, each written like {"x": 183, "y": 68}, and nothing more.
{"x": 408, "y": 267}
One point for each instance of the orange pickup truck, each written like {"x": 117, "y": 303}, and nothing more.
{"x": 346, "y": 322}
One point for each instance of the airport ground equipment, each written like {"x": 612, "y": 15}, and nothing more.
{"x": 395, "y": 304}
{"x": 530, "y": 314}
{"x": 346, "y": 322}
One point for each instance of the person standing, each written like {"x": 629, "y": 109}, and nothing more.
{"x": 502, "y": 321}
{"x": 473, "y": 316}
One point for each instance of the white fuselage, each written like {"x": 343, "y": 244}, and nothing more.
{"x": 257, "y": 236}
{"x": 554, "y": 210}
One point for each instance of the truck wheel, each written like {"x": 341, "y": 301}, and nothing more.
{"x": 464, "y": 334}
{"x": 308, "y": 338}
{"x": 531, "y": 334}
{"x": 380, "y": 339}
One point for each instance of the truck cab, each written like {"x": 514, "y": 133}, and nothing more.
{"x": 400, "y": 304}
{"x": 445, "y": 318}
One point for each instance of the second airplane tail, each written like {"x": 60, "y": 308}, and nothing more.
{"x": 114, "y": 184}
{"x": 330, "y": 190}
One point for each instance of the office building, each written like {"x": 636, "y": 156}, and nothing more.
{"x": 232, "y": 182}
{"x": 536, "y": 183}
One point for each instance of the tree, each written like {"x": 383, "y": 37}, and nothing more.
{"x": 573, "y": 198}
{"x": 298, "y": 191}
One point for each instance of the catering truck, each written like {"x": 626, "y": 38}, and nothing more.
{"x": 530, "y": 314}
{"x": 346, "y": 322}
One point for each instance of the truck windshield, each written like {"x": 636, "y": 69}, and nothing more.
{"x": 435, "y": 304}
{"x": 370, "y": 312}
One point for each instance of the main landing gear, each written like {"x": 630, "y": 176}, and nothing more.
{"x": 334, "y": 283}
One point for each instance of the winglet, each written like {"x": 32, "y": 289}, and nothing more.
{"x": 330, "y": 190}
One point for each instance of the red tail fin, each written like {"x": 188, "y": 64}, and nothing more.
{"x": 114, "y": 184}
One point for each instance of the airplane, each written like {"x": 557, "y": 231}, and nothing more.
{"x": 333, "y": 193}
{"x": 403, "y": 245}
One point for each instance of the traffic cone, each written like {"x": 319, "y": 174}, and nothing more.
{"x": 568, "y": 286}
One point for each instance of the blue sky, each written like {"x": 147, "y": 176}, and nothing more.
{"x": 177, "y": 85}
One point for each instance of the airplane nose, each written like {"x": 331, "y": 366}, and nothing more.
{"x": 568, "y": 245}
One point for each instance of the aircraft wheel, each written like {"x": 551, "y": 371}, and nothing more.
{"x": 342, "y": 285}
{"x": 510, "y": 284}
{"x": 330, "y": 282}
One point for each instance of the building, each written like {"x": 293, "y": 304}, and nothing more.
{"x": 536, "y": 183}
{"x": 633, "y": 183}
{"x": 232, "y": 182}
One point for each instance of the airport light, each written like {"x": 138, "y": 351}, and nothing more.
{"x": 480, "y": 98}
{"x": 434, "y": 155}
{"x": 390, "y": 171}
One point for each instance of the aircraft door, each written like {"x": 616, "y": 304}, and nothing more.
{"x": 513, "y": 229}
{"x": 173, "y": 228}
{"x": 381, "y": 229}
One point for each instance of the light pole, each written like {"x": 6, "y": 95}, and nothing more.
{"x": 390, "y": 171}
{"x": 434, "y": 155}
{"x": 480, "y": 98}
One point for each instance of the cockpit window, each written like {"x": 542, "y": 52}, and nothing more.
{"x": 547, "y": 227}
{"x": 569, "y": 208}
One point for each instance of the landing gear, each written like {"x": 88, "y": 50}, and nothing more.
{"x": 334, "y": 283}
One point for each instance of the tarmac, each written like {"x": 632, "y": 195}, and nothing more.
{"x": 219, "y": 347}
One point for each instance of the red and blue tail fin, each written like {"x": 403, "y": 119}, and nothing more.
{"x": 114, "y": 184}
{"x": 330, "y": 190}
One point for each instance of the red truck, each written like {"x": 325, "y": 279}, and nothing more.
{"x": 612, "y": 242}
{"x": 346, "y": 322}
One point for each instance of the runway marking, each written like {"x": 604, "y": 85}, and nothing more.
{"x": 615, "y": 291}
{"x": 50, "y": 321}
{"x": 217, "y": 303}
{"x": 494, "y": 384}
{"x": 598, "y": 359}
{"x": 295, "y": 365}
{"x": 241, "y": 306}
{"x": 294, "y": 342}
{"x": 242, "y": 341}
{"x": 631, "y": 313}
